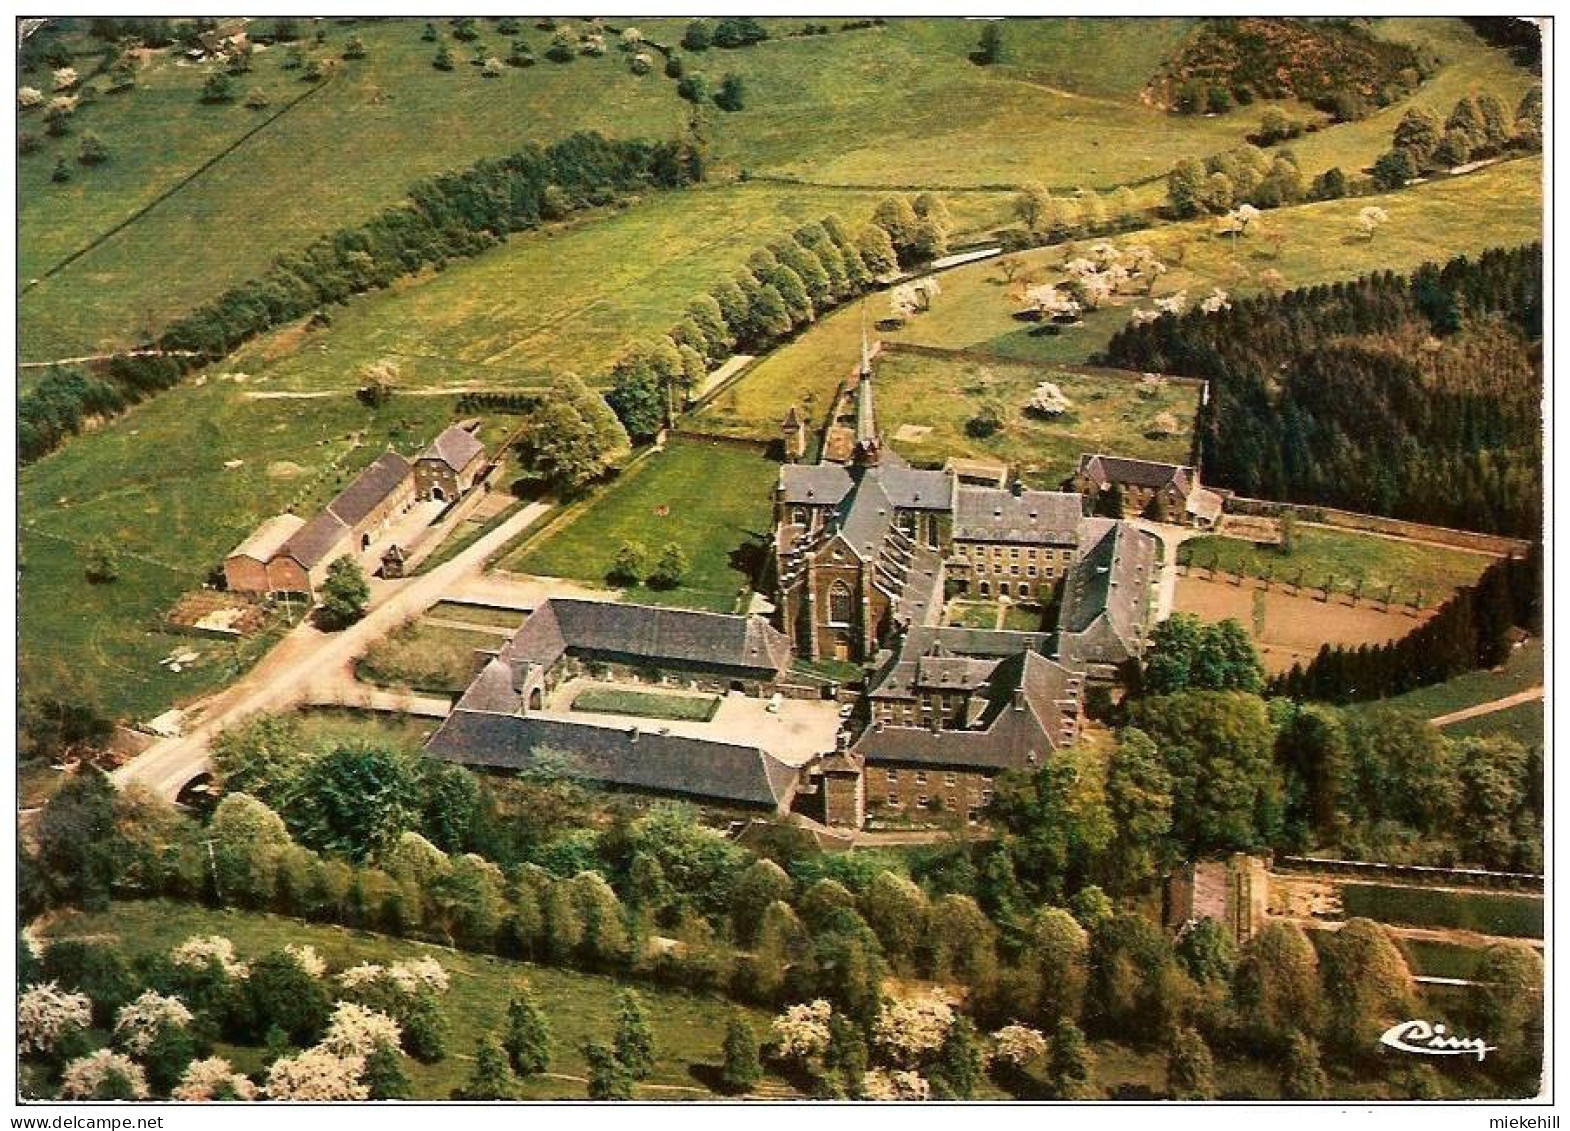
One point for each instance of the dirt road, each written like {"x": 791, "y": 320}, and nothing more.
{"x": 1530, "y": 695}
{"x": 308, "y": 658}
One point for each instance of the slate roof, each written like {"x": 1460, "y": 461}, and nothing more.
{"x": 1107, "y": 594}
{"x": 1101, "y": 470}
{"x": 911, "y": 488}
{"x": 991, "y": 514}
{"x": 457, "y": 447}
{"x": 315, "y": 540}
{"x": 821, "y": 484}
{"x": 681, "y": 636}
{"x": 370, "y": 488}
{"x": 947, "y": 651}
{"x": 268, "y": 538}
{"x": 1041, "y": 719}
{"x": 632, "y": 757}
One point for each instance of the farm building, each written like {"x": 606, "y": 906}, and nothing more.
{"x": 245, "y": 569}
{"x": 1141, "y": 488}
{"x": 449, "y": 467}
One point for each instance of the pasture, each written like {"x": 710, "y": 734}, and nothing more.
{"x": 434, "y": 659}
{"x": 1346, "y": 562}
{"x": 1488, "y": 913}
{"x": 977, "y": 307}
{"x": 1522, "y": 669}
{"x": 713, "y": 500}
{"x": 688, "y": 1028}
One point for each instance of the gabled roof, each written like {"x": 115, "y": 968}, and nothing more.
{"x": 969, "y": 649}
{"x": 457, "y": 447}
{"x": 992, "y": 514}
{"x": 821, "y": 484}
{"x": 632, "y": 757}
{"x": 911, "y": 488}
{"x": 1107, "y": 593}
{"x": 370, "y": 488}
{"x": 1102, "y": 470}
{"x": 268, "y": 538}
{"x": 315, "y": 540}
{"x": 680, "y": 636}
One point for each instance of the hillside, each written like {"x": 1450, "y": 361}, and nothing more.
{"x": 1330, "y": 63}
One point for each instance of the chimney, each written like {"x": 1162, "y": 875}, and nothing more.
{"x": 1019, "y": 698}
{"x": 632, "y": 734}
{"x": 1017, "y": 488}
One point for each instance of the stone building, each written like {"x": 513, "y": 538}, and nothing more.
{"x": 357, "y": 516}
{"x": 1139, "y": 488}
{"x": 949, "y": 710}
{"x": 1106, "y": 602}
{"x": 449, "y": 467}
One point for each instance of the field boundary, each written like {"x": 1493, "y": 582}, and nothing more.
{"x": 1133, "y": 376}
{"x": 1425, "y": 873}
{"x": 1499, "y": 544}
{"x": 114, "y": 230}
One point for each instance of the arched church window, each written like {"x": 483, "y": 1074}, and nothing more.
{"x": 839, "y": 603}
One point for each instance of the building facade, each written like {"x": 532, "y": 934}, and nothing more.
{"x": 447, "y": 469}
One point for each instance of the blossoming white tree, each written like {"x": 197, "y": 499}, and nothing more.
{"x": 1371, "y": 219}
{"x": 305, "y": 954}
{"x": 317, "y": 1075}
{"x": 198, "y": 950}
{"x": 908, "y": 1029}
{"x": 29, "y": 96}
{"x": 211, "y": 1079}
{"x": 894, "y": 1087}
{"x": 65, "y": 78}
{"x": 357, "y": 1031}
{"x": 1175, "y": 303}
{"x": 1048, "y": 400}
{"x": 91, "y": 1077}
{"x": 1051, "y": 302}
{"x": 1015, "y": 1046}
{"x": 139, "y": 1022}
{"x": 46, "y": 1014}
{"x": 801, "y": 1033}
{"x": 1215, "y": 301}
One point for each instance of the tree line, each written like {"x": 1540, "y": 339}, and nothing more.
{"x": 1478, "y": 127}
{"x": 1329, "y": 394}
{"x": 1471, "y": 631}
{"x": 449, "y": 216}
{"x": 783, "y": 288}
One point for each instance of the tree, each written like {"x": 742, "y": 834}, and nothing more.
{"x": 354, "y": 48}
{"x": 279, "y": 992}
{"x": 1059, "y": 951}
{"x": 345, "y": 594}
{"x": 608, "y": 1079}
{"x": 627, "y": 566}
{"x": 1276, "y": 984}
{"x": 1418, "y": 133}
{"x": 219, "y": 87}
{"x": 443, "y": 60}
{"x": 1302, "y": 1076}
{"x": 760, "y": 885}
{"x": 1072, "y": 1067}
{"x": 1139, "y": 801}
{"x": 959, "y": 1062}
{"x": 528, "y": 1036}
{"x": 1191, "y": 1073}
{"x": 1187, "y": 188}
{"x": 698, "y": 36}
{"x": 573, "y": 438}
{"x": 897, "y": 912}
{"x": 1508, "y": 1005}
{"x": 1367, "y": 986}
{"x": 877, "y": 250}
{"x": 1207, "y": 952}
{"x": 384, "y": 1076}
{"x": 93, "y": 151}
{"x": 669, "y": 568}
{"x": 355, "y": 800}
{"x": 247, "y": 837}
{"x": 1529, "y": 119}
{"x": 731, "y": 95}
{"x": 1394, "y": 169}
{"x": 1187, "y": 654}
{"x": 989, "y": 49}
{"x": 103, "y": 563}
{"x": 634, "y": 1042}
{"x": 492, "y": 1077}
{"x": 79, "y": 847}
{"x": 740, "y": 1071}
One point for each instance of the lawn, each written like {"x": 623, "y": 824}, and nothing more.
{"x": 154, "y": 483}
{"x": 1500, "y": 205}
{"x": 688, "y": 1028}
{"x": 1489, "y": 913}
{"x": 489, "y": 615}
{"x": 647, "y": 704}
{"x": 1405, "y": 569}
{"x": 334, "y": 726}
{"x": 714, "y": 500}
{"x": 1522, "y": 669}
{"x": 431, "y": 658}
{"x": 1439, "y": 959}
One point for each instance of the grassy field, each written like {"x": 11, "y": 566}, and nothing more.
{"x": 646, "y": 704}
{"x": 572, "y": 297}
{"x": 713, "y": 500}
{"x": 1522, "y": 669}
{"x": 687, "y": 1028}
{"x": 489, "y": 615}
{"x": 1524, "y": 722}
{"x": 332, "y": 726}
{"x": 426, "y": 657}
{"x": 1518, "y": 916}
{"x": 1405, "y": 568}
{"x": 1441, "y": 960}
{"x": 154, "y": 484}
{"x": 1496, "y": 206}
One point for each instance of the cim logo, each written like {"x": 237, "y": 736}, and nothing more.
{"x": 1433, "y": 1040}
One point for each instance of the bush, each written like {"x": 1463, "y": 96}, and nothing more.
{"x": 987, "y": 422}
